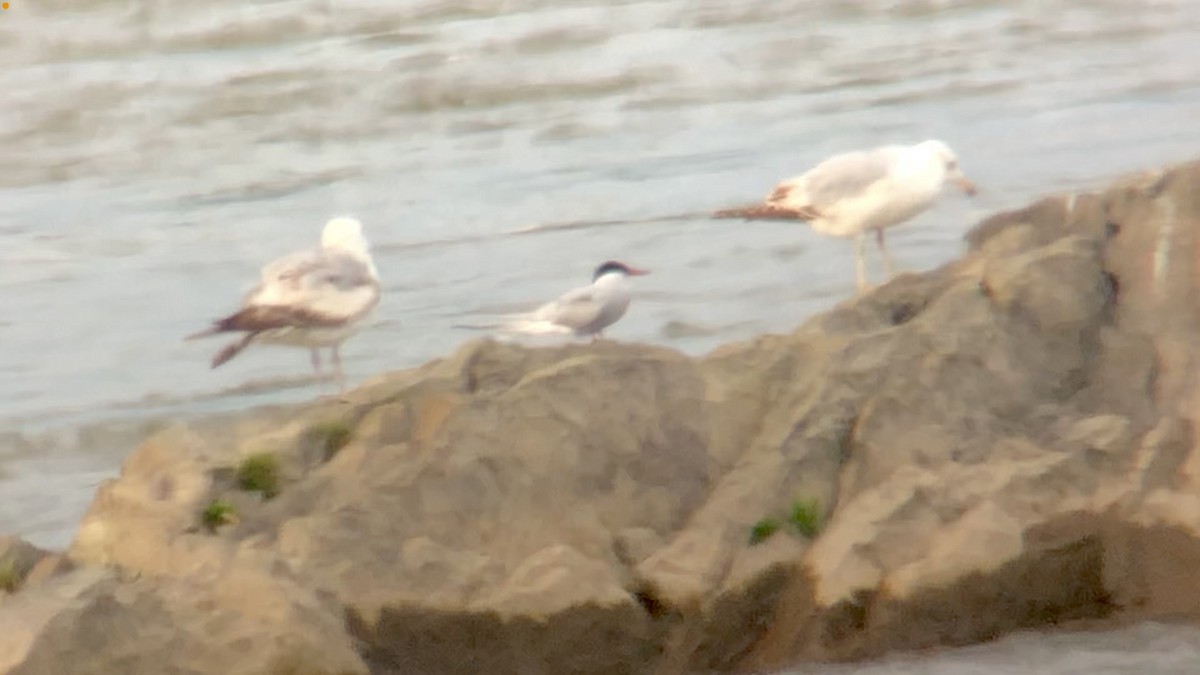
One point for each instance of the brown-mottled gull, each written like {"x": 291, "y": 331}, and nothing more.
{"x": 851, "y": 194}
{"x": 309, "y": 299}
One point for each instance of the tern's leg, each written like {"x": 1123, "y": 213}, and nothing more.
{"x": 887, "y": 258}
{"x": 860, "y": 261}
{"x": 316, "y": 361}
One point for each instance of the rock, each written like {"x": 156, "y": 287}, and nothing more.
{"x": 1003, "y": 443}
{"x": 23, "y": 564}
{"x": 91, "y": 621}
{"x": 48, "y": 567}
{"x": 1025, "y": 467}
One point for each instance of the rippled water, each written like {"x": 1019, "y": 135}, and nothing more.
{"x": 156, "y": 152}
{"x": 1146, "y": 649}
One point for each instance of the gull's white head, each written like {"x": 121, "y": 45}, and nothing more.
{"x": 943, "y": 157}
{"x": 345, "y": 233}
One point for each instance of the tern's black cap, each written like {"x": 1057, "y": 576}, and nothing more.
{"x": 611, "y": 266}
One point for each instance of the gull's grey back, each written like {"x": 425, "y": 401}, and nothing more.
{"x": 846, "y": 175}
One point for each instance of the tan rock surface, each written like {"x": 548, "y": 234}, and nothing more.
{"x": 90, "y": 621}
{"x": 22, "y": 564}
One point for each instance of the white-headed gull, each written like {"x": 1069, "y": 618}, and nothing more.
{"x": 853, "y": 193}
{"x": 309, "y": 299}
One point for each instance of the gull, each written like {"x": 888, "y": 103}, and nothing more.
{"x": 583, "y": 312}
{"x": 853, "y": 193}
{"x": 309, "y": 299}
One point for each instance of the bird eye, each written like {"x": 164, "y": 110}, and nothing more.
{"x": 951, "y": 164}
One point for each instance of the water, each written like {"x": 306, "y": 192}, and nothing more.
{"x": 1144, "y": 649}
{"x": 157, "y": 152}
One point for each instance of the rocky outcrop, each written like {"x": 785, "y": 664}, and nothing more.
{"x": 1005, "y": 442}
{"x": 98, "y": 622}
{"x": 23, "y": 564}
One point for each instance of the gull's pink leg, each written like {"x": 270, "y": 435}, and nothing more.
{"x": 337, "y": 370}
{"x": 887, "y": 258}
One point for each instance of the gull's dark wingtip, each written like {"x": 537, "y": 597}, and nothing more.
{"x": 207, "y": 332}
{"x": 729, "y": 213}
{"x": 218, "y": 326}
{"x": 758, "y": 212}
{"x": 231, "y": 350}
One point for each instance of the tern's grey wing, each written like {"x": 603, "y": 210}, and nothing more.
{"x": 846, "y": 176}
{"x": 576, "y": 309}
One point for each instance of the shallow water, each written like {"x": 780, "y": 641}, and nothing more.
{"x": 158, "y": 152}
{"x": 1145, "y": 649}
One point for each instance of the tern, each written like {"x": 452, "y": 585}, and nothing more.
{"x": 583, "y": 312}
